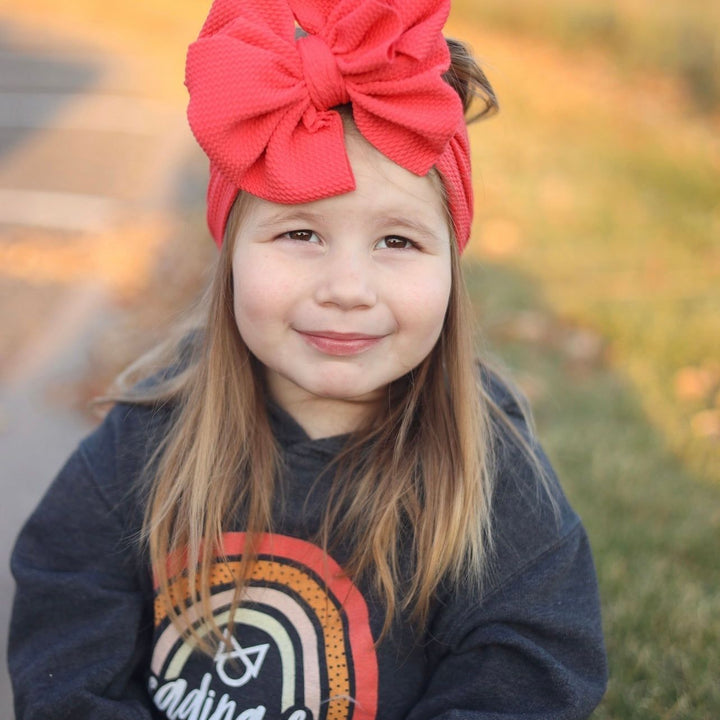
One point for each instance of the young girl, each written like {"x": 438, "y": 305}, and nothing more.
{"x": 321, "y": 506}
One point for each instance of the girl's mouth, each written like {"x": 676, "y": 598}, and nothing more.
{"x": 339, "y": 344}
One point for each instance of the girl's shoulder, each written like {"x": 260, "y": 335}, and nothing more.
{"x": 111, "y": 461}
{"x": 531, "y": 515}
{"x": 141, "y": 410}
{"x": 503, "y": 395}
{"x": 129, "y": 433}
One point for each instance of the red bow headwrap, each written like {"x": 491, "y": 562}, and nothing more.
{"x": 260, "y": 100}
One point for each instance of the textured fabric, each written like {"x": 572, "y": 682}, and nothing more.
{"x": 261, "y": 101}
{"x": 84, "y": 643}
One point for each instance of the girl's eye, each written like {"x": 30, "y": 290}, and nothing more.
{"x": 395, "y": 242}
{"x": 301, "y": 236}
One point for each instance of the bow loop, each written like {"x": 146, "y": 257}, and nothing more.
{"x": 363, "y": 35}
{"x": 325, "y": 82}
{"x": 406, "y": 27}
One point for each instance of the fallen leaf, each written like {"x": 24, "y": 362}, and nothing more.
{"x": 706, "y": 424}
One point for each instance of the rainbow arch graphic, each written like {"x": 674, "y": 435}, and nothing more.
{"x": 312, "y": 615}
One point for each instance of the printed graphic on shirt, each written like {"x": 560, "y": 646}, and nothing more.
{"x": 301, "y": 647}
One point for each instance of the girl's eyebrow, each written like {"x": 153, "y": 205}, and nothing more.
{"x": 414, "y": 225}
{"x": 285, "y": 216}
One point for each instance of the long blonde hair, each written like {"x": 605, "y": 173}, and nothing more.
{"x": 423, "y": 462}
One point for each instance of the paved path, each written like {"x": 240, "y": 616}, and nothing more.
{"x": 82, "y": 152}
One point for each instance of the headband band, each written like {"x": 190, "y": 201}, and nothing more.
{"x": 261, "y": 101}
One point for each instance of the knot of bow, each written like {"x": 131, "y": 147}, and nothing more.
{"x": 261, "y": 100}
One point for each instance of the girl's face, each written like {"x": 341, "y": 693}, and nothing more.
{"x": 341, "y": 296}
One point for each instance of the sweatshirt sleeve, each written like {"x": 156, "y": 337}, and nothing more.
{"x": 80, "y": 628}
{"x": 530, "y": 643}
{"x": 532, "y": 648}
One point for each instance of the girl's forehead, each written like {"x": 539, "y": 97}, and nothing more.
{"x": 382, "y": 188}
{"x": 369, "y": 163}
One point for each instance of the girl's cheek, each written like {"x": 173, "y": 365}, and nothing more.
{"x": 249, "y": 308}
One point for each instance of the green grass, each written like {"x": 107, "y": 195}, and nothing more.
{"x": 641, "y": 266}
{"x": 652, "y": 523}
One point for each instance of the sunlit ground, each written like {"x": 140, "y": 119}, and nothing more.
{"x": 595, "y": 266}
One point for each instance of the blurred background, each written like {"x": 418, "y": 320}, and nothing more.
{"x": 594, "y": 267}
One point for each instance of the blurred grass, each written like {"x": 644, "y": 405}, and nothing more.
{"x": 606, "y": 193}
{"x": 676, "y": 37}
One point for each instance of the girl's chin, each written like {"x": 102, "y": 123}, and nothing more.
{"x": 327, "y": 387}
{"x": 342, "y": 394}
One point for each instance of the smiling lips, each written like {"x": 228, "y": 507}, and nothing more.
{"x": 339, "y": 344}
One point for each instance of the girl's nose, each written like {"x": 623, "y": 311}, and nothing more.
{"x": 347, "y": 279}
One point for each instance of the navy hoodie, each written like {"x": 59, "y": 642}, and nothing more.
{"x": 90, "y": 640}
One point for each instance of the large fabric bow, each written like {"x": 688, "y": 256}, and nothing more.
{"x": 261, "y": 101}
